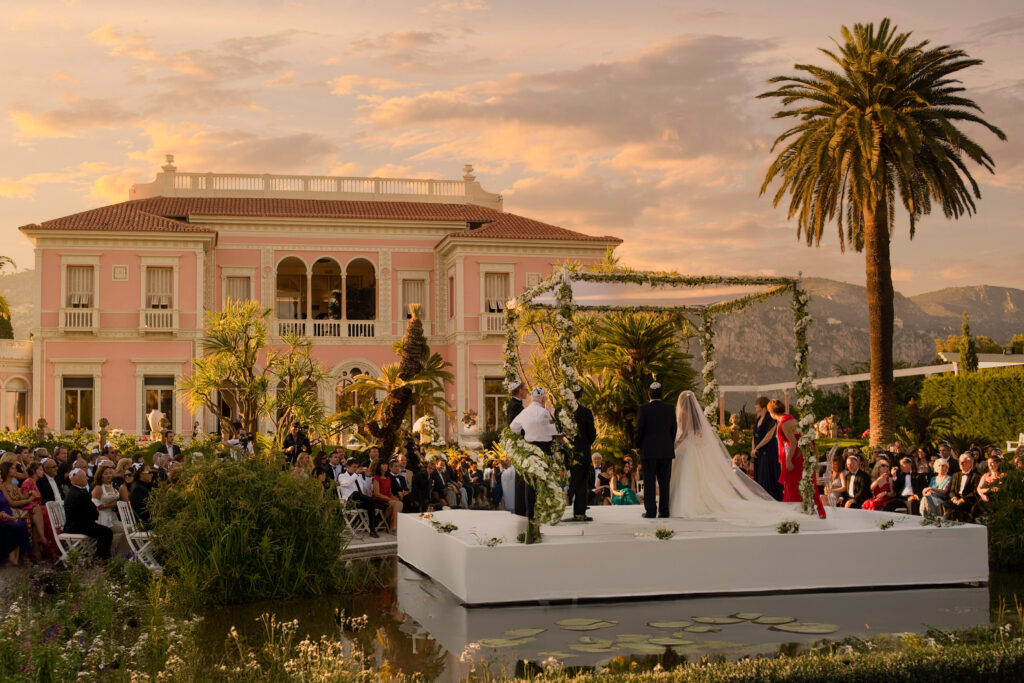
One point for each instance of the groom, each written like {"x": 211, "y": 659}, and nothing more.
{"x": 655, "y": 440}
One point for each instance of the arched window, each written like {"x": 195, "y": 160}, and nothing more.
{"x": 360, "y": 290}
{"x": 16, "y": 403}
{"x": 325, "y": 289}
{"x": 291, "y": 289}
{"x": 344, "y": 400}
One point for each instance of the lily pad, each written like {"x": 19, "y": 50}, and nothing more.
{"x": 748, "y": 616}
{"x": 669, "y": 624}
{"x": 587, "y": 640}
{"x": 807, "y": 627}
{"x": 585, "y": 624}
{"x": 633, "y": 637}
{"x": 645, "y": 648}
{"x": 669, "y": 642}
{"x": 583, "y": 647}
{"x": 557, "y": 655}
{"x": 717, "y": 620}
{"x": 505, "y": 642}
{"x": 524, "y": 632}
{"x": 701, "y": 629}
{"x": 774, "y": 621}
{"x": 705, "y": 647}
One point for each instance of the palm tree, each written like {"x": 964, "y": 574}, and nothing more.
{"x": 5, "y": 308}
{"x": 876, "y": 129}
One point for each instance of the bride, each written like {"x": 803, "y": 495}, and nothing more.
{"x": 704, "y": 483}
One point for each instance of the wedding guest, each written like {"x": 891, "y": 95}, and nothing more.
{"x": 833, "y": 485}
{"x": 907, "y": 487}
{"x": 963, "y": 492}
{"x": 15, "y": 541}
{"x": 765, "y": 450}
{"x": 105, "y": 497}
{"x": 49, "y": 488}
{"x": 936, "y": 493}
{"x": 348, "y": 484}
{"x": 138, "y": 497}
{"x": 124, "y": 490}
{"x": 81, "y": 514}
{"x": 856, "y": 484}
{"x": 595, "y": 461}
{"x": 604, "y": 485}
{"x": 296, "y": 442}
{"x": 399, "y": 482}
{"x": 303, "y": 466}
{"x": 881, "y": 488}
{"x": 988, "y": 487}
{"x": 25, "y": 502}
{"x": 621, "y": 486}
{"x": 382, "y": 492}
{"x": 791, "y": 461}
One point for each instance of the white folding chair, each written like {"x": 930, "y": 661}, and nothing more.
{"x": 139, "y": 542}
{"x": 66, "y": 542}
{"x": 356, "y": 518}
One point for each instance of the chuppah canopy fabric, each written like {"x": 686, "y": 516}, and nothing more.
{"x": 630, "y": 295}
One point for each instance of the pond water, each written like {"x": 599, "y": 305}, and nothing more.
{"x": 415, "y": 626}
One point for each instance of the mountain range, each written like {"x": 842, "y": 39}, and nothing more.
{"x": 755, "y": 346}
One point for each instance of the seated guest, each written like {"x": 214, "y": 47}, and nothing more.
{"x": 963, "y": 493}
{"x": 988, "y": 487}
{"x": 24, "y": 501}
{"x": 595, "y": 460}
{"x": 507, "y": 485}
{"x": 399, "y": 482}
{"x": 322, "y": 474}
{"x": 15, "y": 542}
{"x": 303, "y": 466}
{"x": 833, "y": 483}
{"x": 881, "y": 488}
{"x": 856, "y": 484}
{"x": 621, "y": 486}
{"x": 81, "y": 514}
{"x": 741, "y": 463}
{"x": 124, "y": 491}
{"x": 49, "y": 488}
{"x": 382, "y": 491}
{"x": 907, "y": 487}
{"x": 603, "y": 490}
{"x": 348, "y": 484}
{"x": 138, "y": 497}
{"x": 935, "y": 495}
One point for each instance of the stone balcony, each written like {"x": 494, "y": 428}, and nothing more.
{"x": 172, "y": 183}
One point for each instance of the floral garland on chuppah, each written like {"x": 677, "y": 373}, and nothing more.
{"x": 804, "y": 397}
{"x": 543, "y": 472}
{"x": 566, "y": 353}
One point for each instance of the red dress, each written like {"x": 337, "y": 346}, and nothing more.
{"x": 790, "y": 479}
{"x": 883, "y": 494}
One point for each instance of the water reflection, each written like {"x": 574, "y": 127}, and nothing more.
{"x": 415, "y": 626}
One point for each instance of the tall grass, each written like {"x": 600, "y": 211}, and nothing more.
{"x": 234, "y": 531}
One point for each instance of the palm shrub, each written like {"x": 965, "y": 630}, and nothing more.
{"x": 233, "y": 531}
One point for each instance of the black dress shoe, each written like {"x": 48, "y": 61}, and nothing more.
{"x": 663, "y": 516}
{"x": 582, "y": 518}
{"x": 647, "y": 516}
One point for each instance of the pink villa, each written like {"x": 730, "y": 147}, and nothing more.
{"x": 121, "y": 290}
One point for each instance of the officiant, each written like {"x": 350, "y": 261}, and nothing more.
{"x": 536, "y": 424}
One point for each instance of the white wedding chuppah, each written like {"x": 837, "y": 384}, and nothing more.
{"x": 479, "y": 556}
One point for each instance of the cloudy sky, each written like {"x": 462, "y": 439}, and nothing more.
{"x": 634, "y": 119}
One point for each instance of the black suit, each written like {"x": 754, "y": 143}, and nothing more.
{"x": 917, "y": 483}
{"x": 173, "y": 450}
{"x": 861, "y": 489}
{"x": 300, "y": 443}
{"x": 962, "y": 511}
{"x": 578, "y": 461}
{"x": 513, "y": 407}
{"x": 655, "y": 438}
{"x": 139, "y": 500}
{"x": 81, "y": 515}
{"x": 46, "y": 491}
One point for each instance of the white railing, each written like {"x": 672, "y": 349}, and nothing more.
{"x": 16, "y": 349}
{"x": 492, "y": 322}
{"x": 171, "y": 183}
{"x": 79, "y": 319}
{"x": 158, "y": 320}
{"x": 328, "y": 329}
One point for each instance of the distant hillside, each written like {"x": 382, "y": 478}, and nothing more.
{"x": 17, "y": 287}
{"x": 756, "y": 346}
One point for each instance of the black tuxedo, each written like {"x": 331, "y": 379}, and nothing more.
{"x": 81, "y": 514}
{"x": 513, "y": 407}
{"x": 580, "y": 484}
{"x": 173, "y": 450}
{"x": 299, "y": 442}
{"x": 139, "y": 499}
{"x": 962, "y": 511}
{"x": 46, "y": 492}
{"x": 861, "y": 489}
{"x": 655, "y": 438}
{"x": 917, "y": 483}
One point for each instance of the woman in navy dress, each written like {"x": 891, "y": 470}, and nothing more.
{"x": 766, "y": 466}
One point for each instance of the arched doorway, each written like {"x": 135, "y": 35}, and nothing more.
{"x": 326, "y": 298}
{"x": 360, "y": 297}
{"x": 291, "y": 303}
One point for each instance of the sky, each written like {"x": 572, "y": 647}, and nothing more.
{"x": 631, "y": 119}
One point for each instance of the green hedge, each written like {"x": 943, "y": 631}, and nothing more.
{"x": 988, "y": 403}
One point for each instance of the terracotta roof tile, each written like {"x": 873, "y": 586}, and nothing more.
{"x": 160, "y": 214}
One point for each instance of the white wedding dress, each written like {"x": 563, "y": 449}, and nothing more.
{"x": 704, "y": 484}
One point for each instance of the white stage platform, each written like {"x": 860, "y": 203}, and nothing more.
{"x": 617, "y": 555}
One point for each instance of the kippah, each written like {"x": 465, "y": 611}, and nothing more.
{"x": 538, "y": 392}
{"x": 515, "y": 385}
{"x": 655, "y": 385}
{"x": 74, "y": 472}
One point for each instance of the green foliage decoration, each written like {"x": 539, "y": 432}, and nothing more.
{"x": 967, "y": 348}
{"x": 231, "y": 531}
{"x": 988, "y": 405}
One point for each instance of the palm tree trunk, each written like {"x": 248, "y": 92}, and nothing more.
{"x": 880, "y": 321}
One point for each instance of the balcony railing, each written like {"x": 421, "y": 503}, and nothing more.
{"x": 328, "y": 329}
{"x": 492, "y": 322}
{"x": 79, "y": 319}
{"x": 158, "y": 320}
